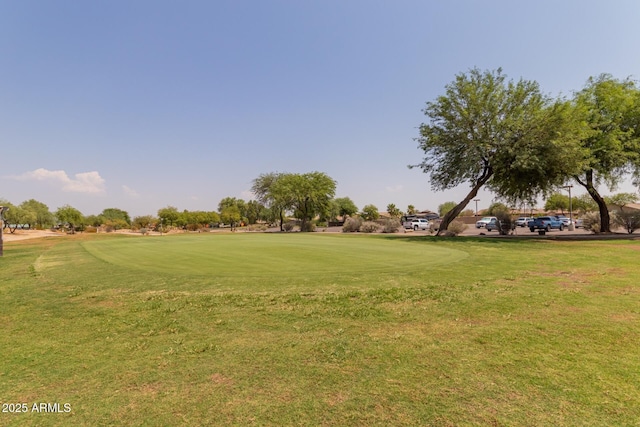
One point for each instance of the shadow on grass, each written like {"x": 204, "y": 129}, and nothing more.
{"x": 506, "y": 240}
{"x": 515, "y": 240}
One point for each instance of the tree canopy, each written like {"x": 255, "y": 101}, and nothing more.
{"x": 446, "y": 207}
{"x": 42, "y": 216}
{"x": 557, "y": 202}
{"x": 611, "y": 146}
{"x": 230, "y": 214}
{"x": 69, "y": 216}
{"x": 168, "y": 215}
{"x": 393, "y": 211}
{"x": 304, "y": 195}
{"x": 13, "y": 216}
{"x": 345, "y": 207}
{"x": 621, "y": 199}
{"x": 370, "y": 213}
{"x": 506, "y": 135}
{"x": 263, "y": 188}
{"x": 232, "y": 211}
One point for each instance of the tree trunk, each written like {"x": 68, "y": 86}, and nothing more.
{"x": 306, "y": 218}
{"x": 605, "y": 226}
{"x": 453, "y": 213}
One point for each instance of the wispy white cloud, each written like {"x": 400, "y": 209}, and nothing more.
{"x": 394, "y": 189}
{"x": 85, "y": 182}
{"x": 130, "y": 192}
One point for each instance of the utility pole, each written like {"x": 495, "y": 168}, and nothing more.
{"x": 476, "y": 200}
{"x": 3, "y": 209}
{"x": 571, "y": 226}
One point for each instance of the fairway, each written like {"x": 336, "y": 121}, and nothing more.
{"x": 280, "y": 329}
{"x": 268, "y": 255}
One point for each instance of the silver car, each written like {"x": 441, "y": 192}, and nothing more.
{"x": 484, "y": 221}
{"x": 494, "y": 224}
{"x": 523, "y": 221}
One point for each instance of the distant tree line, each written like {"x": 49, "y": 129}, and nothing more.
{"x": 307, "y": 198}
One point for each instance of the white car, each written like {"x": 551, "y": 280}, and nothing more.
{"x": 484, "y": 221}
{"x": 416, "y": 224}
{"x": 523, "y": 221}
{"x": 566, "y": 221}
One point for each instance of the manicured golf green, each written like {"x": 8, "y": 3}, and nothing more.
{"x": 264, "y": 254}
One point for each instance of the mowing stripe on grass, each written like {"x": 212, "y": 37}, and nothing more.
{"x": 260, "y": 255}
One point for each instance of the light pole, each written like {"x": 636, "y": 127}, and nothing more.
{"x": 476, "y": 200}
{"x": 571, "y": 226}
{"x": 3, "y": 209}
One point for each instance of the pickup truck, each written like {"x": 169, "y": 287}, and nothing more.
{"x": 485, "y": 220}
{"x": 416, "y": 224}
{"x": 545, "y": 223}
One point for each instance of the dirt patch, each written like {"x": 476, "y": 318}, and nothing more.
{"x": 28, "y": 234}
{"x": 220, "y": 379}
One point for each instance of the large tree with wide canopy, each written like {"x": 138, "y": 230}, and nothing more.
{"x": 505, "y": 135}
{"x": 611, "y": 147}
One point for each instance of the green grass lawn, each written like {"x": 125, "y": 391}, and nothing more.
{"x": 320, "y": 329}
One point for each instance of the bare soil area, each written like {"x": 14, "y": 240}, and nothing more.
{"x": 27, "y": 234}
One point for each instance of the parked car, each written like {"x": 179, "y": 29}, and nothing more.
{"x": 523, "y": 221}
{"x": 546, "y": 223}
{"x": 494, "y": 224}
{"x": 566, "y": 221}
{"x": 579, "y": 223}
{"x": 416, "y": 224}
{"x": 484, "y": 221}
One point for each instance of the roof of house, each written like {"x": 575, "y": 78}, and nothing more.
{"x": 634, "y": 206}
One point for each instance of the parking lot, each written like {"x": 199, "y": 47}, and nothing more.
{"x": 578, "y": 233}
{"x": 471, "y": 230}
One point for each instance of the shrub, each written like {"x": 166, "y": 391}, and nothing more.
{"x": 497, "y": 208}
{"x": 456, "y": 227}
{"x": 506, "y": 222}
{"x": 629, "y": 220}
{"x": 321, "y": 224}
{"x": 391, "y": 225}
{"x": 308, "y": 227}
{"x": 257, "y": 227}
{"x": 369, "y": 227}
{"x": 370, "y": 213}
{"x": 288, "y": 226}
{"x": 352, "y": 225}
{"x": 591, "y": 222}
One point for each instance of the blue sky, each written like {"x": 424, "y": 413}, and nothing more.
{"x": 143, "y": 104}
